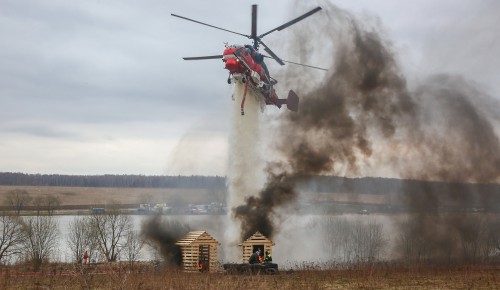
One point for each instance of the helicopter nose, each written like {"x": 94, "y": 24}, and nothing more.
{"x": 232, "y": 65}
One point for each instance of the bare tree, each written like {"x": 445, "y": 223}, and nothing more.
{"x": 353, "y": 241}
{"x": 455, "y": 238}
{"x": 412, "y": 242}
{"x": 109, "y": 230}
{"x": 496, "y": 238}
{"x": 133, "y": 246}
{"x": 373, "y": 241}
{"x": 40, "y": 235}
{"x": 472, "y": 237}
{"x": 52, "y": 203}
{"x": 18, "y": 199}
{"x": 37, "y": 202}
{"x": 77, "y": 239}
{"x": 336, "y": 236}
{"x": 11, "y": 236}
{"x": 46, "y": 202}
{"x": 492, "y": 236}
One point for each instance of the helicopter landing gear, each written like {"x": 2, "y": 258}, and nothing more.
{"x": 229, "y": 80}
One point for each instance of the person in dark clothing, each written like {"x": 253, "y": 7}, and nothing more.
{"x": 254, "y": 258}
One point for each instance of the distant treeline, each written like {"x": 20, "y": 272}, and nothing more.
{"x": 378, "y": 185}
{"x": 365, "y": 185}
{"x": 108, "y": 180}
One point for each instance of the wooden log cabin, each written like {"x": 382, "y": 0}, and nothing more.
{"x": 255, "y": 242}
{"x": 199, "y": 252}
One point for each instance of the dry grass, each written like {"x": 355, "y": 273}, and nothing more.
{"x": 145, "y": 277}
{"x": 101, "y": 195}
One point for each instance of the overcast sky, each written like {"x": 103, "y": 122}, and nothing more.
{"x": 96, "y": 87}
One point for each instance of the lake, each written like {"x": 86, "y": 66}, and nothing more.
{"x": 299, "y": 238}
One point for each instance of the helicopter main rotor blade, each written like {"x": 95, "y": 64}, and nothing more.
{"x": 273, "y": 55}
{"x": 203, "y": 57}
{"x": 254, "y": 22}
{"x": 195, "y": 21}
{"x": 296, "y": 63}
{"x": 291, "y": 22}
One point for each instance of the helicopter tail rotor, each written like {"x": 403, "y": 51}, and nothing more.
{"x": 292, "y": 102}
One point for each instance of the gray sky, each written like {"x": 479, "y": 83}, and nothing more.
{"x": 95, "y": 87}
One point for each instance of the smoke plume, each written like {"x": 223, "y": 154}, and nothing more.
{"x": 433, "y": 133}
{"x": 163, "y": 234}
{"x": 330, "y": 134}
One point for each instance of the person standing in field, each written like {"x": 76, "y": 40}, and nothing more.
{"x": 85, "y": 257}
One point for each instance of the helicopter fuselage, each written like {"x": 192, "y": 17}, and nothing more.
{"x": 244, "y": 68}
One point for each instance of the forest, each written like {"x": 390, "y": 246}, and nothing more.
{"x": 364, "y": 185}
{"x": 109, "y": 180}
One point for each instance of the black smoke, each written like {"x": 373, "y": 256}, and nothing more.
{"x": 456, "y": 144}
{"x": 439, "y": 132}
{"x": 364, "y": 88}
{"x": 163, "y": 234}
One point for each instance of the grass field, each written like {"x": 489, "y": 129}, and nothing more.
{"x": 386, "y": 276}
{"x": 109, "y": 195}
{"x": 103, "y": 195}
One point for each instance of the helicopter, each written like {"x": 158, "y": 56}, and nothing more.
{"x": 246, "y": 64}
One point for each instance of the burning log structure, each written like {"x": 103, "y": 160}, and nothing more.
{"x": 199, "y": 252}
{"x": 255, "y": 242}
{"x": 251, "y": 245}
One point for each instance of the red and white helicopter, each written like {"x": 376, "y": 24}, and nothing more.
{"x": 246, "y": 65}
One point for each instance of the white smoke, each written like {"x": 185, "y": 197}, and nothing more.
{"x": 244, "y": 169}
